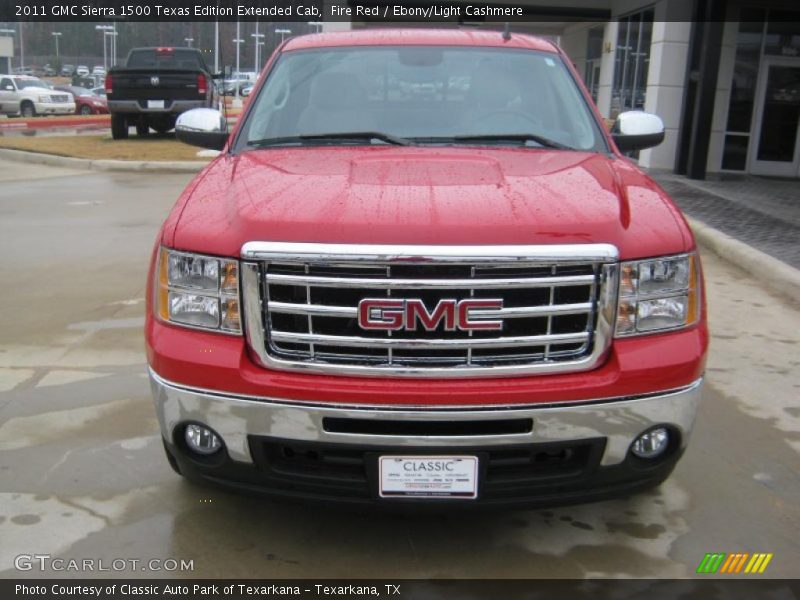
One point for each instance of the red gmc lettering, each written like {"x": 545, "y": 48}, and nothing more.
{"x": 393, "y": 315}
{"x": 381, "y": 314}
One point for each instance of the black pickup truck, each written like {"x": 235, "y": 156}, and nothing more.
{"x": 155, "y": 86}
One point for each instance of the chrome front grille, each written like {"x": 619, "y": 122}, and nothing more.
{"x": 59, "y": 98}
{"x": 301, "y": 304}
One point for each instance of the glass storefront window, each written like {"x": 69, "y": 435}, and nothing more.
{"x": 745, "y": 71}
{"x": 783, "y": 33}
{"x": 594, "y": 54}
{"x": 632, "y": 61}
{"x": 734, "y": 154}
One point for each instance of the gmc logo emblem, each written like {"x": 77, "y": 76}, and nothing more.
{"x": 457, "y": 315}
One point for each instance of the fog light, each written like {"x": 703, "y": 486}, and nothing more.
{"x": 651, "y": 444}
{"x": 201, "y": 439}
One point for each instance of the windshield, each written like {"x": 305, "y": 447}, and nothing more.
{"x": 28, "y": 83}
{"x": 423, "y": 94}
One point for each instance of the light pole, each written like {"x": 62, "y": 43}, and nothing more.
{"x": 283, "y": 32}
{"x": 257, "y": 38}
{"x": 114, "y": 45}
{"x": 238, "y": 41}
{"x": 188, "y": 41}
{"x": 113, "y": 50}
{"x": 105, "y": 29}
{"x": 258, "y": 49}
{"x": 317, "y": 25}
{"x": 56, "y": 35}
{"x": 216, "y": 47}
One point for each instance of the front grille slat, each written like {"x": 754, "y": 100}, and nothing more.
{"x": 432, "y": 344}
{"x": 554, "y": 314}
{"x": 351, "y": 312}
{"x": 431, "y": 284}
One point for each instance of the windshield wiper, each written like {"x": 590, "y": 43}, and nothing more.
{"x": 342, "y": 136}
{"x": 514, "y": 137}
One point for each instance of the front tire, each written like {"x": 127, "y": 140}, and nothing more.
{"x": 27, "y": 110}
{"x": 85, "y": 110}
{"x": 119, "y": 127}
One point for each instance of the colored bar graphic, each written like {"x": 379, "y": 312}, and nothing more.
{"x": 723, "y": 563}
{"x": 711, "y": 562}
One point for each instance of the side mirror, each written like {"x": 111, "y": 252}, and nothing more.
{"x": 204, "y": 127}
{"x": 637, "y": 130}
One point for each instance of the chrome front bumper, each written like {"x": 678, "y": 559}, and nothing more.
{"x": 234, "y": 418}
{"x": 54, "y": 108}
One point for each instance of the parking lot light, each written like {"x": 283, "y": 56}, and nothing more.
{"x": 56, "y": 35}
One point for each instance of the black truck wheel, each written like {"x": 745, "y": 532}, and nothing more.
{"x": 27, "y": 109}
{"x": 119, "y": 127}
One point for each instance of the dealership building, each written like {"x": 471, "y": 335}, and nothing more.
{"x": 6, "y": 53}
{"x": 724, "y": 75}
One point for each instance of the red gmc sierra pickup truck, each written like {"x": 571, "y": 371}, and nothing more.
{"x": 421, "y": 271}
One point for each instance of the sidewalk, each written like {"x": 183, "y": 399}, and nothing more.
{"x": 763, "y": 213}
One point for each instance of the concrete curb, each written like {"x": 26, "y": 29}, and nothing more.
{"x": 175, "y": 166}
{"x": 773, "y": 273}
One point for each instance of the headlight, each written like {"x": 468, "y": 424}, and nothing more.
{"x": 44, "y": 98}
{"x": 198, "y": 291}
{"x": 658, "y": 295}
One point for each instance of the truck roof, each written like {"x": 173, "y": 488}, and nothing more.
{"x": 419, "y": 37}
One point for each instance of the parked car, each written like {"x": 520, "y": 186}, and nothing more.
{"x": 230, "y": 86}
{"x": 154, "y": 87}
{"x": 98, "y": 70}
{"x": 30, "y": 96}
{"x": 24, "y": 71}
{"x": 99, "y": 91}
{"x": 48, "y": 71}
{"x": 67, "y": 70}
{"x": 86, "y": 102}
{"x": 250, "y": 76}
{"x": 82, "y": 70}
{"x": 474, "y": 301}
{"x": 86, "y": 81}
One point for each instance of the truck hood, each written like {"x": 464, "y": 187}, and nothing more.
{"x": 424, "y": 195}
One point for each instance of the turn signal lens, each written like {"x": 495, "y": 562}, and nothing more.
{"x": 198, "y": 291}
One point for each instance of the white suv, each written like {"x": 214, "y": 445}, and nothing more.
{"x": 29, "y": 96}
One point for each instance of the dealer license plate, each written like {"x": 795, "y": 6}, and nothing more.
{"x": 155, "y": 104}
{"x": 428, "y": 476}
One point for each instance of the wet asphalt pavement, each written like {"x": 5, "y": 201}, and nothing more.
{"x": 82, "y": 472}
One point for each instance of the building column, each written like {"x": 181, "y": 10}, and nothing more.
{"x": 604, "y": 89}
{"x": 666, "y": 77}
{"x": 709, "y": 36}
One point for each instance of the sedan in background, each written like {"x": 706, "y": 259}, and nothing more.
{"x": 86, "y": 102}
